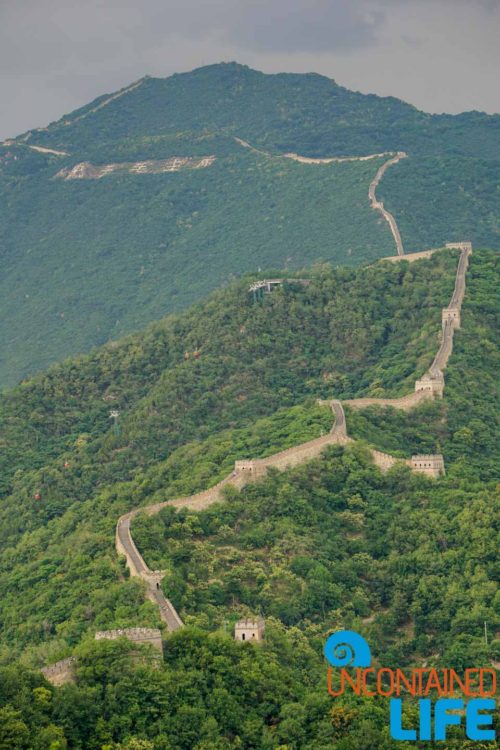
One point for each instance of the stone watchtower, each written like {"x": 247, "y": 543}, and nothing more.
{"x": 249, "y": 630}
{"x": 61, "y": 672}
{"x": 432, "y": 465}
{"x": 432, "y": 384}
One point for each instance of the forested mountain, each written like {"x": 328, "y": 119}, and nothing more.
{"x": 143, "y": 201}
{"x": 407, "y": 562}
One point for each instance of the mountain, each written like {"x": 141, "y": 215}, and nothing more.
{"x": 335, "y": 543}
{"x": 145, "y": 200}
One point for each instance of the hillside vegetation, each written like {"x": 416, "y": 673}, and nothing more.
{"x": 99, "y": 258}
{"x": 88, "y": 260}
{"x": 405, "y": 561}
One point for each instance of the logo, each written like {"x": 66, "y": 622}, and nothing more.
{"x": 348, "y": 651}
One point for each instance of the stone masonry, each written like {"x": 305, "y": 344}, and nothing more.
{"x": 432, "y": 465}
{"x": 61, "y": 672}
{"x": 249, "y": 630}
{"x": 141, "y": 636}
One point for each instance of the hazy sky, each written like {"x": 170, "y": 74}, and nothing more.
{"x": 55, "y": 55}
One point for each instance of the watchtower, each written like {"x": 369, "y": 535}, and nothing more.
{"x": 434, "y": 385}
{"x": 136, "y": 635}
{"x": 432, "y": 465}
{"x": 249, "y": 630}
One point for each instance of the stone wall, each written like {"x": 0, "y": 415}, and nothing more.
{"x": 246, "y": 471}
{"x": 383, "y": 460}
{"x": 136, "y": 635}
{"x": 467, "y": 246}
{"x": 452, "y": 314}
{"x": 432, "y": 465}
{"x": 249, "y": 630}
{"x": 61, "y": 672}
{"x": 379, "y": 206}
{"x": 411, "y": 257}
{"x": 404, "y": 403}
{"x": 430, "y": 386}
{"x": 255, "y": 467}
{"x": 444, "y": 351}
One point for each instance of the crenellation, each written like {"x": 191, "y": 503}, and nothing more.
{"x": 136, "y": 635}
{"x": 433, "y": 384}
{"x": 249, "y": 630}
{"x": 432, "y": 464}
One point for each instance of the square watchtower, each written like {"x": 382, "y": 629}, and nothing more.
{"x": 432, "y": 465}
{"x": 249, "y": 630}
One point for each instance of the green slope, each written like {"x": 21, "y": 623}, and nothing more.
{"x": 184, "y": 421}
{"x": 85, "y": 261}
{"x": 97, "y": 259}
{"x": 407, "y": 562}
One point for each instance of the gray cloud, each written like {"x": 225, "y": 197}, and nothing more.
{"x": 313, "y": 26}
{"x": 57, "y": 54}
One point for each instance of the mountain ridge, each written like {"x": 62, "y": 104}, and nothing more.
{"x": 85, "y": 261}
{"x": 334, "y": 543}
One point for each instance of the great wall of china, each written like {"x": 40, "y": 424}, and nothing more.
{"x": 377, "y": 205}
{"x": 431, "y": 385}
{"x": 244, "y": 472}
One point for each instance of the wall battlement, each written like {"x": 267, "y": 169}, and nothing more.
{"x": 249, "y": 630}
{"x": 432, "y": 464}
{"x": 136, "y": 635}
{"x": 467, "y": 246}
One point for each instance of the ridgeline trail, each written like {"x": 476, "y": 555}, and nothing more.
{"x": 379, "y": 206}
{"x": 244, "y": 472}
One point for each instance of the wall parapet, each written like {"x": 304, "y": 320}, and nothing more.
{"x": 467, "y": 246}
{"x": 430, "y": 464}
{"x": 136, "y": 635}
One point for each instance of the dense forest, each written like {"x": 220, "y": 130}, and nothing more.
{"x": 408, "y": 562}
{"x": 89, "y": 260}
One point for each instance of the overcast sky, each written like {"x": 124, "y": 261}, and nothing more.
{"x": 55, "y": 55}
